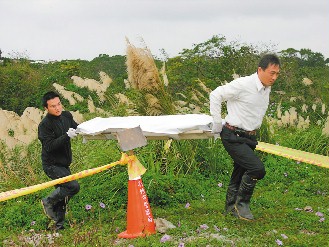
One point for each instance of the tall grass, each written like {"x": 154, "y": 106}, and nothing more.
{"x": 21, "y": 166}
{"x": 310, "y": 140}
{"x": 143, "y": 75}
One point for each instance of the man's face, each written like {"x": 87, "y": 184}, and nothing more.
{"x": 269, "y": 75}
{"x": 54, "y": 107}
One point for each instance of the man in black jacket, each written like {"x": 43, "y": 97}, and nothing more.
{"x": 55, "y": 132}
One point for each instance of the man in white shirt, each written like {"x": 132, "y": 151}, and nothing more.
{"x": 247, "y": 101}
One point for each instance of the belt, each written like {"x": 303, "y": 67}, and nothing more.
{"x": 239, "y": 130}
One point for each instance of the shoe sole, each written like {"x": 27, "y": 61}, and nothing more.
{"x": 239, "y": 216}
{"x": 45, "y": 212}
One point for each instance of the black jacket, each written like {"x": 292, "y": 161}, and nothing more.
{"x": 56, "y": 145}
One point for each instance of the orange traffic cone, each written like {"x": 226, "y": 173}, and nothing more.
{"x": 139, "y": 216}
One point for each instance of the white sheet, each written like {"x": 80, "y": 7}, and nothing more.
{"x": 171, "y": 126}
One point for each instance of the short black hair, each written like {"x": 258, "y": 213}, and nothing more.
{"x": 268, "y": 59}
{"x": 48, "y": 96}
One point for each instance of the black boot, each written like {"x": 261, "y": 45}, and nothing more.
{"x": 60, "y": 209}
{"x": 231, "y": 195}
{"x": 49, "y": 203}
{"x": 60, "y": 215}
{"x": 245, "y": 192}
{"x": 48, "y": 209}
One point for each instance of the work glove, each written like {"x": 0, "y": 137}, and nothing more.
{"x": 216, "y": 128}
{"x": 71, "y": 133}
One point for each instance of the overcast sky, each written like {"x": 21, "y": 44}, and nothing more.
{"x": 73, "y": 29}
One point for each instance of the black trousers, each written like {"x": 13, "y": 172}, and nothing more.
{"x": 65, "y": 190}
{"x": 241, "y": 149}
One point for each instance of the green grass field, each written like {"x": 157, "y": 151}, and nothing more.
{"x": 290, "y": 204}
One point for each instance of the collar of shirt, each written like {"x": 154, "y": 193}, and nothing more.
{"x": 53, "y": 116}
{"x": 259, "y": 84}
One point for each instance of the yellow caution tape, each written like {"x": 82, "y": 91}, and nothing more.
{"x": 302, "y": 156}
{"x": 135, "y": 169}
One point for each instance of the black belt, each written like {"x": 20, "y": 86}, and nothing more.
{"x": 239, "y": 130}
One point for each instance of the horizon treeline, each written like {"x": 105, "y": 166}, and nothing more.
{"x": 213, "y": 62}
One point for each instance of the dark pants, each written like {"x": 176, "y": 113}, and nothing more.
{"x": 67, "y": 189}
{"x": 241, "y": 149}
{"x": 63, "y": 192}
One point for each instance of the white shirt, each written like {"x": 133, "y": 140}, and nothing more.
{"x": 247, "y": 102}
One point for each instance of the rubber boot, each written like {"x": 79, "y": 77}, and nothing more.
{"x": 231, "y": 195}
{"x": 60, "y": 209}
{"x": 242, "y": 204}
{"x": 60, "y": 219}
{"x": 49, "y": 203}
{"x": 48, "y": 209}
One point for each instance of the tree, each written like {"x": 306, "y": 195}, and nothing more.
{"x": 305, "y": 57}
{"x": 290, "y": 53}
{"x": 213, "y": 61}
{"x": 311, "y": 59}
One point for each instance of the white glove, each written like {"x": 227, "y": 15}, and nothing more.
{"x": 71, "y": 133}
{"x": 216, "y": 128}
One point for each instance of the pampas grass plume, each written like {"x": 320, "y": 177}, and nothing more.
{"x": 164, "y": 75}
{"x": 154, "y": 107}
{"x": 292, "y": 116}
{"x": 180, "y": 102}
{"x": 293, "y": 99}
{"x": 325, "y": 130}
{"x": 307, "y": 82}
{"x": 323, "y": 109}
{"x": 123, "y": 99}
{"x": 278, "y": 111}
{"x": 142, "y": 72}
